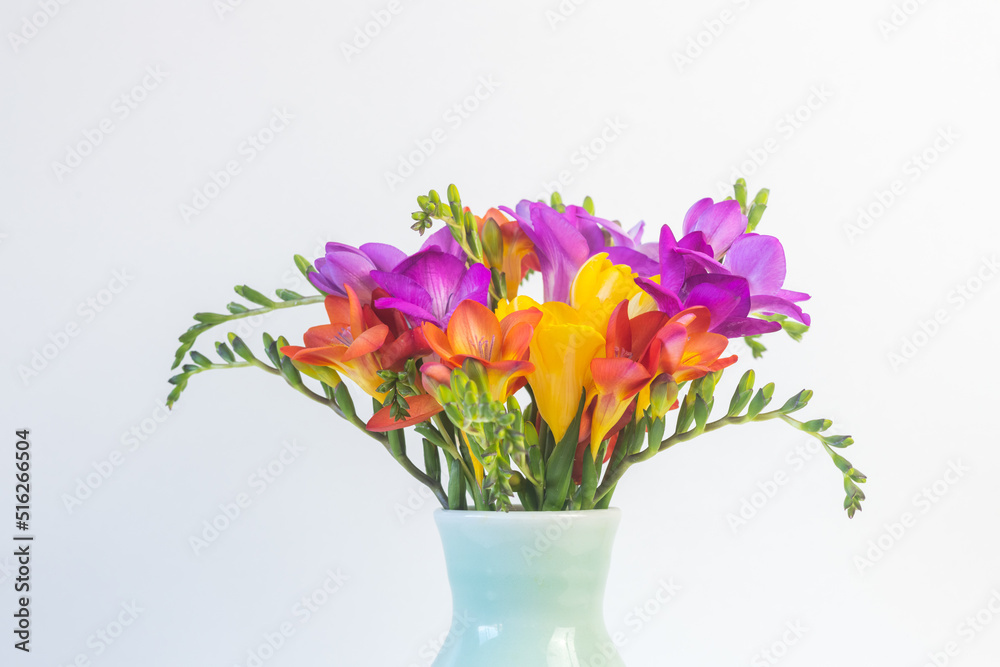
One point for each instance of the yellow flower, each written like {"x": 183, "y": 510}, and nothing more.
{"x": 561, "y": 350}
{"x": 599, "y": 287}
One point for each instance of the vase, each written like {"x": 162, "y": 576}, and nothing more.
{"x": 528, "y": 588}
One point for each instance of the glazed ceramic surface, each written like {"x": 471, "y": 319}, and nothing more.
{"x": 528, "y": 588}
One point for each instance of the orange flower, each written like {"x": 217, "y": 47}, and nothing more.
{"x": 518, "y": 251}
{"x": 357, "y": 345}
{"x": 501, "y": 347}
{"x": 645, "y": 347}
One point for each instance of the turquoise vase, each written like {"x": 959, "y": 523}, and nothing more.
{"x": 528, "y": 588}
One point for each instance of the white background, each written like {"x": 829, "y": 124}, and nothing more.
{"x": 827, "y": 104}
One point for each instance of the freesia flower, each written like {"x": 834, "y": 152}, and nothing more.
{"x": 717, "y": 265}
{"x": 561, "y": 350}
{"x": 428, "y": 286}
{"x": 684, "y": 282}
{"x": 719, "y": 222}
{"x": 474, "y": 332}
{"x": 562, "y": 241}
{"x": 641, "y": 348}
{"x": 598, "y": 287}
{"x": 357, "y": 345}
{"x": 344, "y": 265}
{"x": 518, "y": 252}
{"x": 761, "y": 260}
{"x": 349, "y": 344}
{"x": 443, "y": 240}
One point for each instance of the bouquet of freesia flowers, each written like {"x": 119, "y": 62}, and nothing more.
{"x": 547, "y": 401}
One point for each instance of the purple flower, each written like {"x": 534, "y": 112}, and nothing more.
{"x": 720, "y": 223}
{"x": 761, "y": 260}
{"x": 443, "y": 240}
{"x": 428, "y": 286}
{"x": 344, "y": 264}
{"x": 726, "y": 297}
{"x": 563, "y": 241}
{"x": 718, "y": 265}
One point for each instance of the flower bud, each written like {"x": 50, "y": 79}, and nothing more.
{"x": 476, "y": 373}
{"x": 662, "y": 395}
{"x": 493, "y": 243}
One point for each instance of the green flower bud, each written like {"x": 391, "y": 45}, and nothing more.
{"x": 662, "y": 394}
{"x": 493, "y": 243}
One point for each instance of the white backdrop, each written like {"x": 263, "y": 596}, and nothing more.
{"x": 156, "y": 155}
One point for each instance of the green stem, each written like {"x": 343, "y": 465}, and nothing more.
{"x": 188, "y": 338}
{"x": 452, "y": 451}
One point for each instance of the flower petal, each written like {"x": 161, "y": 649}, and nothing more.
{"x": 474, "y": 286}
{"x": 666, "y": 300}
{"x": 383, "y": 256}
{"x": 637, "y": 261}
{"x": 721, "y": 223}
{"x": 760, "y": 259}
{"x": 693, "y": 213}
{"x": 473, "y": 330}
{"x": 421, "y": 408}
{"x": 369, "y": 341}
{"x": 416, "y": 314}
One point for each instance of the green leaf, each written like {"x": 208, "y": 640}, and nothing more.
{"x": 456, "y": 485}
{"x": 754, "y": 216}
{"x": 223, "y": 351}
{"x": 797, "y": 402}
{"x": 740, "y": 401}
{"x": 559, "y": 468}
{"x": 760, "y": 400}
{"x": 843, "y": 464}
{"x": 291, "y": 373}
{"x": 555, "y": 200}
{"x": 271, "y": 349}
{"x": 817, "y": 425}
{"x": 211, "y": 318}
{"x": 201, "y": 359}
{"x": 700, "y": 413}
{"x": 756, "y": 347}
{"x": 839, "y": 441}
{"x": 432, "y": 460}
{"x": 241, "y": 348}
{"x": 655, "y": 435}
{"x": 588, "y": 479}
{"x": 254, "y": 296}
{"x": 794, "y": 329}
{"x": 304, "y": 266}
{"x": 685, "y": 413}
{"x": 187, "y": 340}
{"x": 740, "y": 189}
{"x": 287, "y": 294}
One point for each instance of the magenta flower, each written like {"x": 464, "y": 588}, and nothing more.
{"x": 443, "y": 240}
{"x": 345, "y": 265}
{"x": 563, "y": 241}
{"x": 761, "y": 260}
{"x": 429, "y": 285}
{"x": 720, "y": 223}
{"x": 726, "y": 297}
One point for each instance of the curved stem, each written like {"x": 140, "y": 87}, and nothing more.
{"x": 188, "y": 337}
